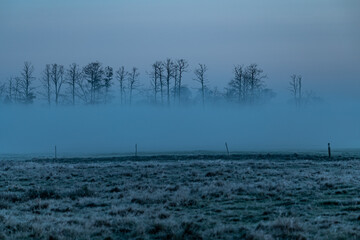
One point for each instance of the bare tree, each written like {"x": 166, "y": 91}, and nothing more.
{"x": 108, "y": 76}
{"x": 157, "y": 80}
{"x": 237, "y": 84}
{"x": 84, "y": 90}
{"x": 26, "y": 88}
{"x": 247, "y": 85}
{"x": 10, "y": 90}
{"x": 201, "y": 78}
{"x": 254, "y": 76}
{"x": 121, "y": 76}
{"x": 46, "y": 83}
{"x": 17, "y": 89}
{"x": 133, "y": 82}
{"x": 93, "y": 72}
{"x": 182, "y": 66}
{"x": 154, "y": 74}
{"x": 73, "y": 78}
{"x": 161, "y": 81}
{"x": 169, "y": 69}
{"x": 2, "y": 91}
{"x": 57, "y": 77}
{"x": 176, "y": 81}
{"x": 295, "y": 88}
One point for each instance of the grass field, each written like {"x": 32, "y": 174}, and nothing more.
{"x": 278, "y": 196}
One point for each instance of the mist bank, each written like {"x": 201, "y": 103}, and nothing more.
{"x": 109, "y": 129}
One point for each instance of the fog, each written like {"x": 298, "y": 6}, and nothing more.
{"x": 318, "y": 40}
{"x": 113, "y": 130}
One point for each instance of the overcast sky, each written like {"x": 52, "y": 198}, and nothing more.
{"x": 317, "y": 39}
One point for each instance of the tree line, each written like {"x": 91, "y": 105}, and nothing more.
{"x": 97, "y": 84}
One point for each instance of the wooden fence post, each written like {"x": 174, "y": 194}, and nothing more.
{"x": 227, "y": 149}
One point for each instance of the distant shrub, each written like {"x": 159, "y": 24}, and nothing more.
{"x": 9, "y": 197}
{"x": 156, "y": 228}
{"x": 172, "y": 188}
{"x": 115, "y": 190}
{"x": 101, "y": 223}
{"x": 287, "y": 228}
{"x": 213, "y": 174}
{"x": 163, "y": 216}
{"x": 4, "y": 205}
{"x": 39, "y": 206}
{"x": 138, "y": 201}
{"x": 42, "y": 194}
{"x": 84, "y": 191}
{"x": 190, "y": 230}
{"x": 188, "y": 202}
{"x": 125, "y": 212}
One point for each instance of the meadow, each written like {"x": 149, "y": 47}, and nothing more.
{"x": 243, "y": 196}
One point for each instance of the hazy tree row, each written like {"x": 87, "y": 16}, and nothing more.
{"x": 20, "y": 89}
{"x": 98, "y": 84}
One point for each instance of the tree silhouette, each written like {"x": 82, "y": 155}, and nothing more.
{"x": 93, "y": 73}
{"x": 108, "y": 76}
{"x": 169, "y": 69}
{"x": 237, "y": 84}
{"x": 201, "y": 78}
{"x": 57, "y": 77}
{"x": 73, "y": 75}
{"x": 254, "y": 77}
{"x": 296, "y": 88}
{"x": 93, "y": 83}
{"x": 25, "y": 85}
{"x": 154, "y": 74}
{"x": 133, "y": 82}
{"x": 121, "y": 75}
{"x": 182, "y": 66}
{"x": 46, "y": 83}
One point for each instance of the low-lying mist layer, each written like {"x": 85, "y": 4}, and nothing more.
{"x": 116, "y": 129}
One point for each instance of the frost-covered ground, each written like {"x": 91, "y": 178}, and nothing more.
{"x": 181, "y": 197}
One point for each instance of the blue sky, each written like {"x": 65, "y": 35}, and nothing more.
{"x": 318, "y": 39}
